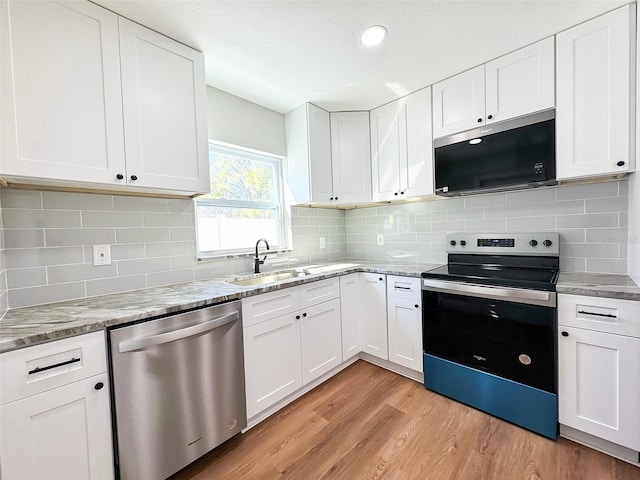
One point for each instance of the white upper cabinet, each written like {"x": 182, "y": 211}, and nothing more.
{"x": 458, "y": 102}
{"x": 401, "y": 148}
{"x": 328, "y": 156}
{"x": 61, "y": 106}
{"x": 350, "y": 157}
{"x": 516, "y": 84}
{"x": 165, "y": 118}
{"x": 93, "y": 100}
{"x": 308, "y": 133}
{"x": 594, "y": 116}
{"x": 521, "y": 82}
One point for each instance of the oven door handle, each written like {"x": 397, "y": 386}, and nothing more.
{"x": 520, "y": 295}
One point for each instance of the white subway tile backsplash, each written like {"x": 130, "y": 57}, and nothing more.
{"x": 590, "y": 250}
{"x": 556, "y": 208}
{"x": 142, "y": 235}
{"x": 601, "y": 265}
{"x": 607, "y": 235}
{"x": 589, "y": 220}
{"x": 490, "y": 225}
{"x": 84, "y": 271}
{"x": 38, "y": 257}
{"x": 530, "y": 224}
{"x": 508, "y": 211}
{"x": 126, "y": 251}
{"x": 170, "y": 249}
{"x": 21, "y": 199}
{"x": 106, "y": 286}
{"x": 465, "y": 214}
{"x": 139, "y": 204}
{"x": 145, "y": 265}
{"x": 613, "y": 204}
{"x": 167, "y": 278}
{"x": 536, "y": 195}
{"x": 589, "y": 190}
{"x": 168, "y": 219}
{"x": 26, "y": 277}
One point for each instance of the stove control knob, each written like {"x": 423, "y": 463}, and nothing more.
{"x": 453, "y": 243}
{"x": 463, "y": 242}
{"x": 547, "y": 243}
{"x": 533, "y": 243}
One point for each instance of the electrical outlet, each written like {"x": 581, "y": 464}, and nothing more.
{"x": 101, "y": 255}
{"x": 322, "y": 242}
{"x": 380, "y": 239}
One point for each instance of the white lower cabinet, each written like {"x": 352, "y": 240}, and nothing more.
{"x": 599, "y": 371}
{"x": 349, "y": 312}
{"x": 54, "y": 425}
{"x": 404, "y": 316}
{"x": 282, "y": 353}
{"x": 373, "y": 314}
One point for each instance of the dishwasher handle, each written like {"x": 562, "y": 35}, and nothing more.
{"x": 141, "y": 343}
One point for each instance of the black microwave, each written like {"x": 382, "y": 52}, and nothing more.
{"x": 508, "y": 155}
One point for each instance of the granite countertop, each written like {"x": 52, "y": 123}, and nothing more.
{"x": 28, "y": 326}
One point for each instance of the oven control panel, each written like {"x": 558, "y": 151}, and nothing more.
{"x": 536, "y": 243}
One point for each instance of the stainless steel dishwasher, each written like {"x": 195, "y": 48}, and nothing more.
{"x": 178, "y": 389}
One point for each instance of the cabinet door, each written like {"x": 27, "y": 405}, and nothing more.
{"x": 272, "y": 362}
{"x": 416, "y": 145}
{"x": 164, "y": 104}
{"x": 385, "y": 152}
{"x": 349, "y": 312}
{"x": 373, "y": 314}
{"x": 351, "y": 157}
{"x": 599, "y": 384}
{"x": 458, "y": 103}
{"x": 521, "y": 82}
{"x": 320, "y": 339}
{"x": 61, "y": 107}
{"x": 593, "y": 116}
{"x": 60, "y": 434}
{"x": 405, "y": 332}
{"x": 319, "y": 135}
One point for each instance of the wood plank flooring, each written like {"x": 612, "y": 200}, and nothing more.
{"x": 368, "y": 423}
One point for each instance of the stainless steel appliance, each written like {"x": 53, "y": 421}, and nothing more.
{"x": 508, "y": 155}
{"x": 489, "y": 326}
{"x": 178, "y": 386}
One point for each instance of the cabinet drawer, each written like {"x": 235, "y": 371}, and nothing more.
{"x": 609, "y": 315}
{"x": 269, "y": 305}
{"x": 403, "y": 287}
{"x": 317, "y": 292}
{"x": 33, "y": 370}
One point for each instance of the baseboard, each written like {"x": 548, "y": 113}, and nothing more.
{"x": 393, "y": 367}
{"x": 604, "y": 446}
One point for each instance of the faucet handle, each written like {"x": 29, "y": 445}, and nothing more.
{"x": 263, "y": 259}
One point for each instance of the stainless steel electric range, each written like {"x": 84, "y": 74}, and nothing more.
{"x": 489, "y": 326}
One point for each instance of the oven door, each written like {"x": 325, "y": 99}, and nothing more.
{"x": 507, "y": 332}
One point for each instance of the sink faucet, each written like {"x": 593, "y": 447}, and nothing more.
{"x": 256, "y": 260}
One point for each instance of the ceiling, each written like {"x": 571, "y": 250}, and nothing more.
{"x": 280, "y": 54}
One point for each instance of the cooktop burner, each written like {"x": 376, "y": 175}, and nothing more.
{"x": 512, "y": 260}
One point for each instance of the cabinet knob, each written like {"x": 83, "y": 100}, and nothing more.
{"x": 479, "y": 120}
{"x": 396, "y": 194}
{"x": 98, "y": 386}
{"x": 297, "y": 317}
{"x": 134, "y": 177}
{"x": 490, "y": 117}
{"x": 331, "y": 198}
{"x": 119, "y": 176}
{"x": 401, "y": 193}
{"x": 620, "y": 163}
{"x": 380, "y": 279}
{"x": 336, "y": 198}
{"x": 565, "y": 334}
{"x": 417, "y": 306}
{"x": 304, "y": 314}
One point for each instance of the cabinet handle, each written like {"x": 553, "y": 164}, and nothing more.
{"x": 490, "y": 117}
{"x": 134, "y": 177}
{"x": 608, "y": 315}
{"x": 479, "y": 120}
{"x": 565, "y": 334}
{"x": 304, "y": 314}
{"x": 55, "y": 365}
{"x": 620, "y": 163}
{"x": 98, "y": 386}
{"x": 402, "y": 288}
{"x": 119, "y": 176}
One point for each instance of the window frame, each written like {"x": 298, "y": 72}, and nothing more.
{"x": 282, "y": 209}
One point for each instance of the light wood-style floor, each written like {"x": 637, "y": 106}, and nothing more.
{"x": 368, "y": 423}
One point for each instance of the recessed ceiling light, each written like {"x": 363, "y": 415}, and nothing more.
{"x": 475, "y": 141}
{"x": 373, "y": 35}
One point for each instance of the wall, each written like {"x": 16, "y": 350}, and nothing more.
{"x": 237, "y": 121}
{"x": 591, "y": 220}
{"x": 48, "y": 238}
{"x": 634, "y": 227}
{"x": 3, "y": 273}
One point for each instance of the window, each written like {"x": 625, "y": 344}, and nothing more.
{"x": 245, "y": 203}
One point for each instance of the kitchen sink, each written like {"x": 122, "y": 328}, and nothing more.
{"x": 265, "y": 278}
